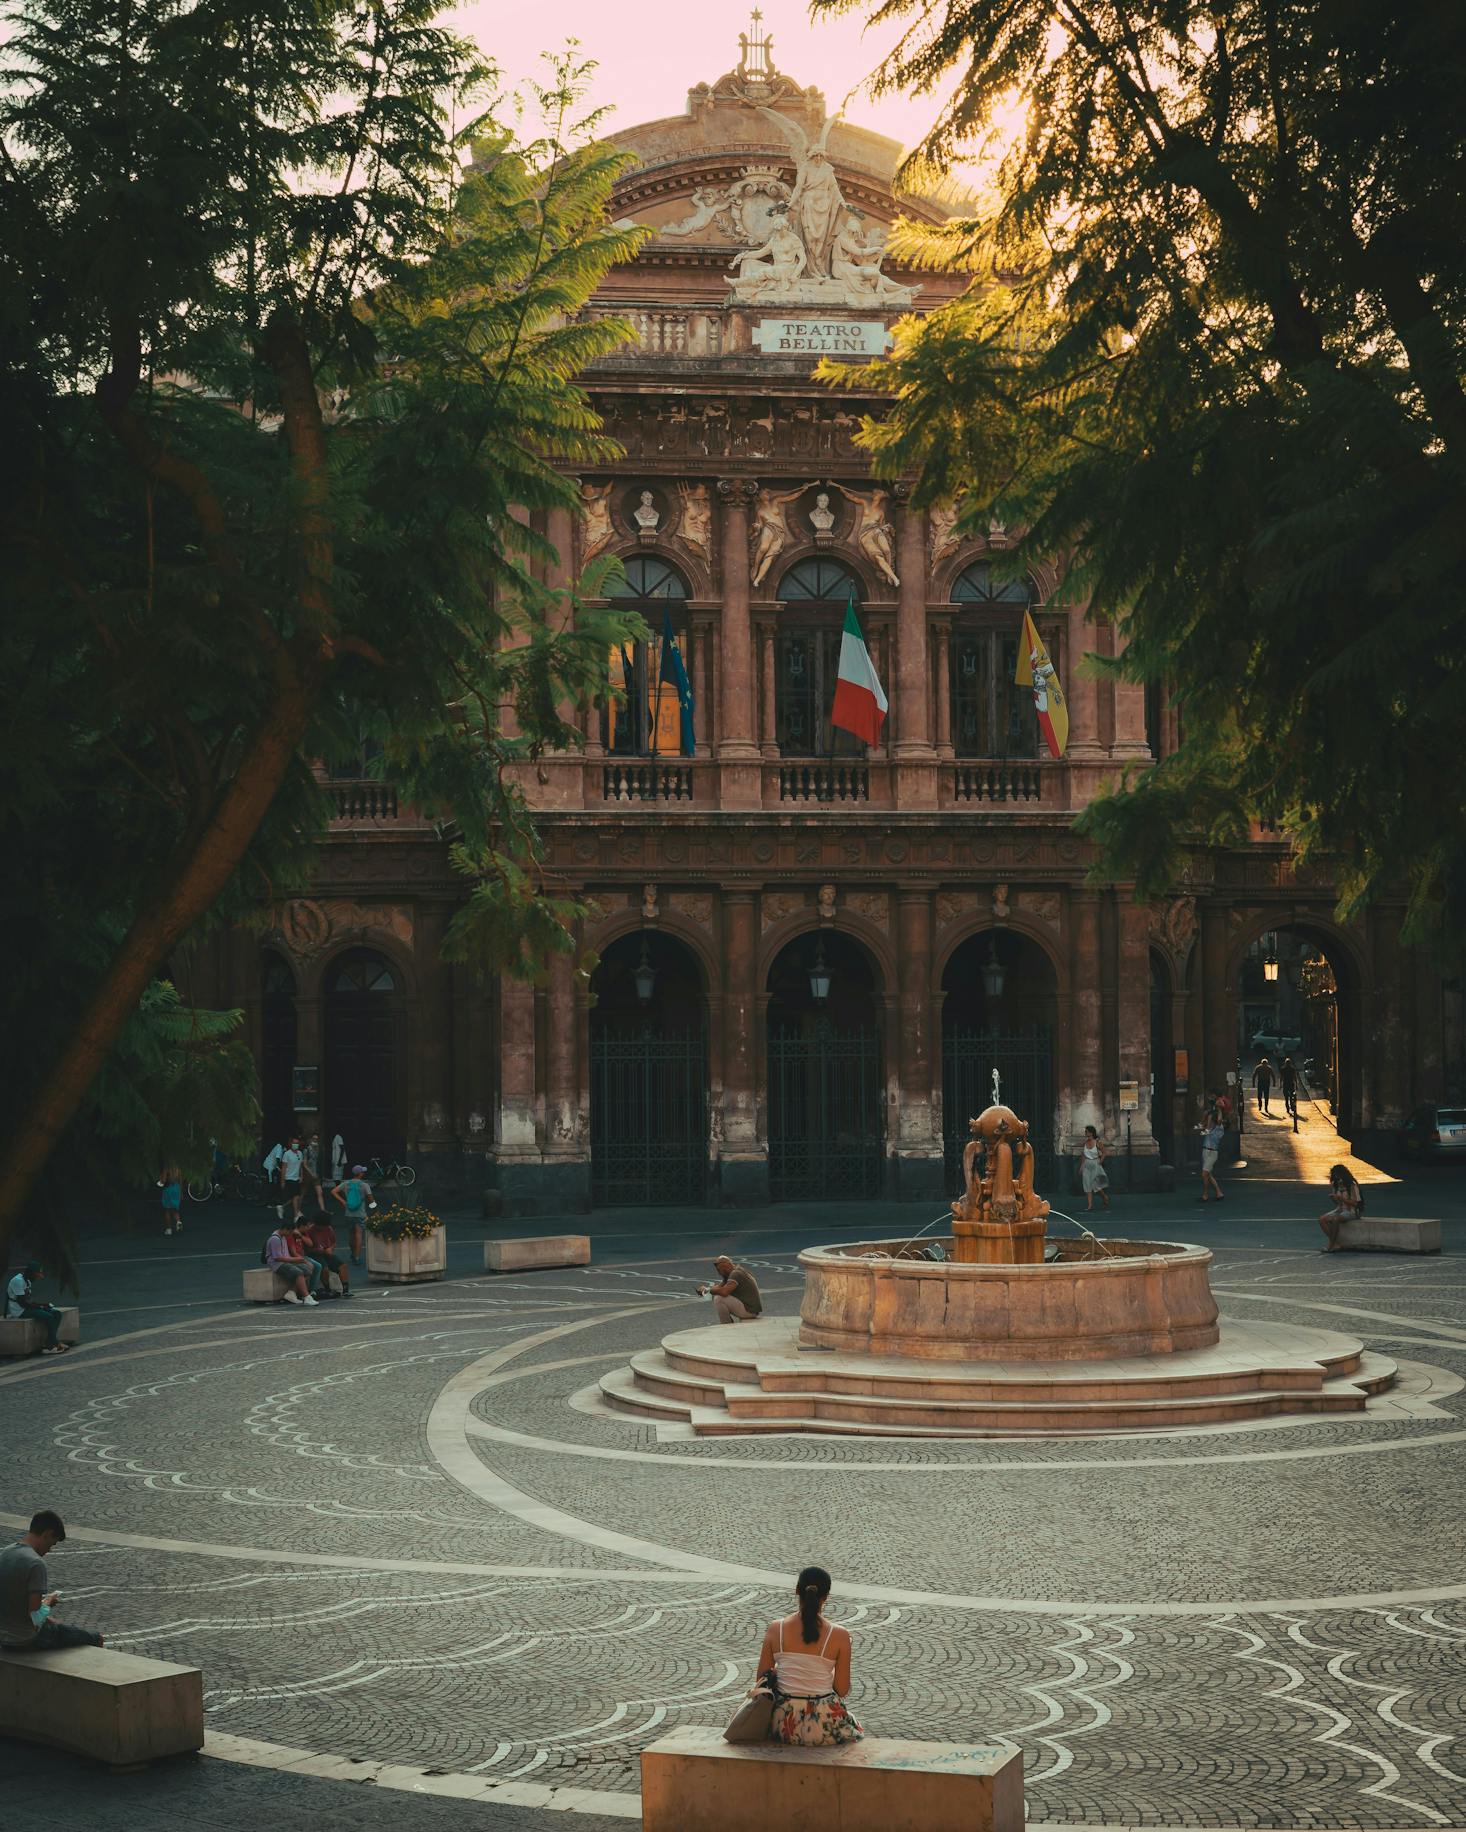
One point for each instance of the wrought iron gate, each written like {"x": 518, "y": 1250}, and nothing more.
{"x": 826, "y": 1132}
{"x": 648, "y": 1118}
{"x": 1024, "y": 1061}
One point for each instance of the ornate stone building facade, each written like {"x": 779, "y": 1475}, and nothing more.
{"x": 813, "y": 956}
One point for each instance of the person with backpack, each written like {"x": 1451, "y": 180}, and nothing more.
{"x": 355, "y": 1196}
{"x": 285, "y": 1257}
{"x": 1288, "y": 1076}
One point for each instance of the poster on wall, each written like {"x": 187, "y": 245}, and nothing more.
{"x": 1181, "y": 1077}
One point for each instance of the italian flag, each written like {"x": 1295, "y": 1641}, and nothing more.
{"x": 1035, "y": 670}
{"x": 860, "y": 700}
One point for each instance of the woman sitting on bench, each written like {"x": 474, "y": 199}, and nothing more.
{"x": 811, "y": 1663}
{"x": 1348, "y": 1200}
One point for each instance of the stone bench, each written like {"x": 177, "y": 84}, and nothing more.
{"x": 534, "y": 1255}
{"x": 1384, "y": 1234}
{"x": 261, "y": 1286}
{"x": 24, "y": 1336}
{"x": 694, "y": 1778}
{"x": 119, "y": 1708}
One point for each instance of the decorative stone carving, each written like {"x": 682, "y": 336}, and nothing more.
{"x": 822, "y": 518}
{"x": 816, "y": 203}
{"x": 708, "y": 203}
{"x": 777, "y": 906}
{"x": 695, "y": 526}
{"x": 771, "y": 270}
{"x": 826, "y": 902}
{"x": 955, "y": 906}
{"x": 768, "y": 535}
{"x": 646, "y": 515}
{"x": 875, "y": 537}
{"x": 305, "y": 928}
{"x": 696, "y": 906}
{"x": 1174, "y": 925}
{"x": 1048, "y": 906}
{"x": 943, "y": 530}
{"x": 595, "y": 517}
{"x": 874, "y": 906}
{"x": 649, "y": 910}
{"x": 855, "y": 265}
{"x": 1001, "y": 907}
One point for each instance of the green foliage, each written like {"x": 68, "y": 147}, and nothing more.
{"x": 1213, "y": 345}
{"x": 289, "y": 397}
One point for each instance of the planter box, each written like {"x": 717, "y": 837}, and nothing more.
{"x": 406, "y": 1262}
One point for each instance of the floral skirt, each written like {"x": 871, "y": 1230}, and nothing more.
{"x": 812, "y": 1721}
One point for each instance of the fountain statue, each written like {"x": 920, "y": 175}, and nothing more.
{"x": 998, "y": 1220}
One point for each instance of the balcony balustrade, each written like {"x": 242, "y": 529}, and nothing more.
{"x": 646, "y": 782}
{"x": 997, "y": 782}
{"x": 824, "y": 782}
{"x": 363, "y": 801}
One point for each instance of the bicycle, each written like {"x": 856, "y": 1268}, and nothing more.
{"x": 237, "y": 1183}
{"x": 402, "y": 1174}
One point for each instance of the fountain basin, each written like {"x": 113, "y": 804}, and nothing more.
{"x": 1091, "y": 1303}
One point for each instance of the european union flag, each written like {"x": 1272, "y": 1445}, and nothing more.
{"x": 673, "y": 674}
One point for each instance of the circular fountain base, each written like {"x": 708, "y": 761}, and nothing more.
{"x": 1091, "y": 1302}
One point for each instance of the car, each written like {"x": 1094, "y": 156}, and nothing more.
{"x": 1274, "y": 1043}
{"x": 1434, "y": 1131}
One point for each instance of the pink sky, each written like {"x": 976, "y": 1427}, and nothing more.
{"x": 651, "y": 52}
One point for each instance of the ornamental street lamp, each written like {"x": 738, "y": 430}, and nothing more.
{"x": 819, "y": 975}
{"x": 645, "y": 975}
{"x": 994, "y": 974}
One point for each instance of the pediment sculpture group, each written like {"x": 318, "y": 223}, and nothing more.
{"x": 808, "y": 246}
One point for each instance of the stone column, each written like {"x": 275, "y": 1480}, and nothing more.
{"x": 738, "y": 754}
{"x": 770, "y": 726}
{"x": 944, "y": 691}
{"x": 434, "y": 1116}
{"x": 744, "y": 1164}
{"x": 513, "y": 1177}
{"x": 918, "y": 1145}
{"x": 1218, "y": 1021}
{"x": 1133, "y": 1030}
{"x": 912, "y": 752}
{"x": 567, "y": 1168}
{"x": 1086, "y": 1088}
{"x": 1130, "y": 740}
{"x": 702, "y": 663}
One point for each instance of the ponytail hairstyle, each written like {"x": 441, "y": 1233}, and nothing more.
{"x": 813, "y": 1586}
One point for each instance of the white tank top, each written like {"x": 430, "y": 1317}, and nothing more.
{"x": 804, "y": 1675}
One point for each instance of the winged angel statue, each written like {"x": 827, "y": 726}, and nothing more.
{"x": 816, "y": 205}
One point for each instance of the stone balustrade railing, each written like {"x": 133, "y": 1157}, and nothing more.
{"x": 997, "y": 782}
{"x": 646, "y": 782}
{"x": 363, "y": 801}
{"x": 824, "y": 782}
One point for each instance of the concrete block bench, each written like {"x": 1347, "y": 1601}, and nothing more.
{"x": 694, "y": 1778}
{"x": 534, "y": 1255}
{"x": 1383, "y": 1234}
{"x": 119, "y": 1708}
{"x": 261, "y": 1286}
{"x": 24, "y": 1336}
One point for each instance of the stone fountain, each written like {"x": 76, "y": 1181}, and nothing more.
{"x": 996, "y": 1331}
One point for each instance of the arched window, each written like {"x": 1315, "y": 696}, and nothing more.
{"x": 815, "y": 592}
{"x": 991, "y": 715}
{"x": 362, "y": 972}
{"x": 646, "y": 722}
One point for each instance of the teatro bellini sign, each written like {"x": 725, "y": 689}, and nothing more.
{"x": 821, "y": 337}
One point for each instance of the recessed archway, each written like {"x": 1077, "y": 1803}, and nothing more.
{"x": 648, "y": 1074}
{"x": 825, "y": 1091}
{"x": 1298, "y": 998}
{"x": 999, "y": 1012}
{"x": 364, "y": 1054}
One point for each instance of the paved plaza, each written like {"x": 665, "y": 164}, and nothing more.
{"x": 411, "y": 1549}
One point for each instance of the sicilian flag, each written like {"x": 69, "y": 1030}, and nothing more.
{"x": 860, "y": 700}
{"x": 1035, "y": 670}
{"x": 672, "y": 725}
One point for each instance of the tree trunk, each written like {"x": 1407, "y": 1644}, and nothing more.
{"x": 189, "y": 893}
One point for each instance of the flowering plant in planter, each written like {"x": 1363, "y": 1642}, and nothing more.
{"x": 404, "y": 1221}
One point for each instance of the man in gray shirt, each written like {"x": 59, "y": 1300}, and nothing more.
{"x": 25, "y": 1603}
{"x": 736, "y": 1296}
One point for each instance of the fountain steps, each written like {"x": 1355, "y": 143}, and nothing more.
{"x": 766, "y": 1384}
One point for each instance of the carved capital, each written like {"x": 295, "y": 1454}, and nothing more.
{"x": 738, "y": 492}
{"x": 901, "y": 491}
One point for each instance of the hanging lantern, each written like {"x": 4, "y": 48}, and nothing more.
{"x": 994, "y": 973}
{"x": 645, "y": 975}
{"x": 819, "y": 976}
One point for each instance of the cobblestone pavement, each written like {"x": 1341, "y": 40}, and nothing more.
{"x": 402, "y": 1531}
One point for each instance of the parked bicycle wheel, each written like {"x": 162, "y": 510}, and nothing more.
{"x": 406, "y": 1175}
{"x": 251, "y": 1186}
{"x": 200, "y": 1189}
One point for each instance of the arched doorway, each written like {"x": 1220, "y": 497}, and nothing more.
{"x": 277, "y": 1046}
{"x": 363, "y": 1014}
{"x": 1298, "y": 996}
{"x": 826, "y": 1108}
{"x": 999, "y": 1011}
{"x": 648, "y": 1074}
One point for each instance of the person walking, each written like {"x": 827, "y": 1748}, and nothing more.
{"x": 1092, "y": 1172}
{"x": 356, "y": 1198}
{"x": 171, "y": 1184}
{"x": 1288, "y": 1078}
{"x": 810, "y": 1659}
{"x": 1211, "y": 1145}
{"x": 26, "y": 1605}
{"x": 1348, "y": 1201}
{"x": 736, "y": 1297}
{"x": 21, "y": 1304}
{"x": 272, "y": 1176}
{"x": 292, "y": 1170}
{"x": 1262, "y": 1081}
